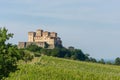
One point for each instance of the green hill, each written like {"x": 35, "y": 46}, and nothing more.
{"x": 51, "y": 68}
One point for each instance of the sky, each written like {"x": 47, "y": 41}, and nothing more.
{"x": 90, "y": 25}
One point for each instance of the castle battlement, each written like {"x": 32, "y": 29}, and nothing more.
{"x": 41, "y": 38}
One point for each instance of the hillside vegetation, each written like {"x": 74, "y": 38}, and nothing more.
{"x": 51, "y": 68}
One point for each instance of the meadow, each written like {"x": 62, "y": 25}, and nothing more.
{"x": 51, "y": 68}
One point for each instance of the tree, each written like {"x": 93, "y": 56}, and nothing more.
{"x": 92, "y": 60}
{"x": 27, "y": 56}
{"x": 33, "y": 48}
{"x": 9, "y": 54}
{"x": 101, "y": 61}
{"x": 109, "y": 63}
{"x": 55, "y": 52}
{"x": 117, "y": 61}
{"x": 77, "y": 54}
{"x": 87, "y": 57}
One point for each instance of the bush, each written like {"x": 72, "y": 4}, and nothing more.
{"x": 34, "y": 48}
{"x": 27, "y": 56}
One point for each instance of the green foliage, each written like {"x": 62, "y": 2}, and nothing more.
{"x": 9, "y": 54}
{"x": 61, "y": 52}
{"x": 51, "y": 68}
{"x": 92, "y": 60}
{"x": 44, "y": 51}
{"x": 117, "y": 61}
{"x": 46, "y": 45}
{"x": 55, "y": 52}
{"x": 34, "y": 48}
{"x": 109, "y": 62}
{"x": 27, "y": 56}
{"x": 101, "y": 61}
{"x": 4, "y": 36}
{"x": 79, "y": 55}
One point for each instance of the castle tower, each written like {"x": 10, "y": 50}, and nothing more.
{"x": 46, "y": 34}
{"x": 31, "y": 36}
{"x": 39, "y": 32}
{"x": 53, "y": 34}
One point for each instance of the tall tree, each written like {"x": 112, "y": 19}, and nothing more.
{"x": 9, "y": 54}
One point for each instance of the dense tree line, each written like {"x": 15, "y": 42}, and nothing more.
{"x": 70, "y": 53}
{"x": 60, "y": 52}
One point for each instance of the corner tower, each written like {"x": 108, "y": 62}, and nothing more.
{"x": 31, "y": 36}
{"x": 53, "y": 34}
{"x": 39, "y": 32}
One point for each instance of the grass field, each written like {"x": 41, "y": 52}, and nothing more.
{"x": 50, "y": 68}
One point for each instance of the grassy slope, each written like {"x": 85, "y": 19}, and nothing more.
{"x": 50, "y": 68}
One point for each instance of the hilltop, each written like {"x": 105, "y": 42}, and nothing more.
{"x": 51, "y": 68}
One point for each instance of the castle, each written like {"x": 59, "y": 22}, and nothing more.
{"x": 42, "y": 39}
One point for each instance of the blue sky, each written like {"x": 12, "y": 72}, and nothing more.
{"x": 91, "y": 25}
